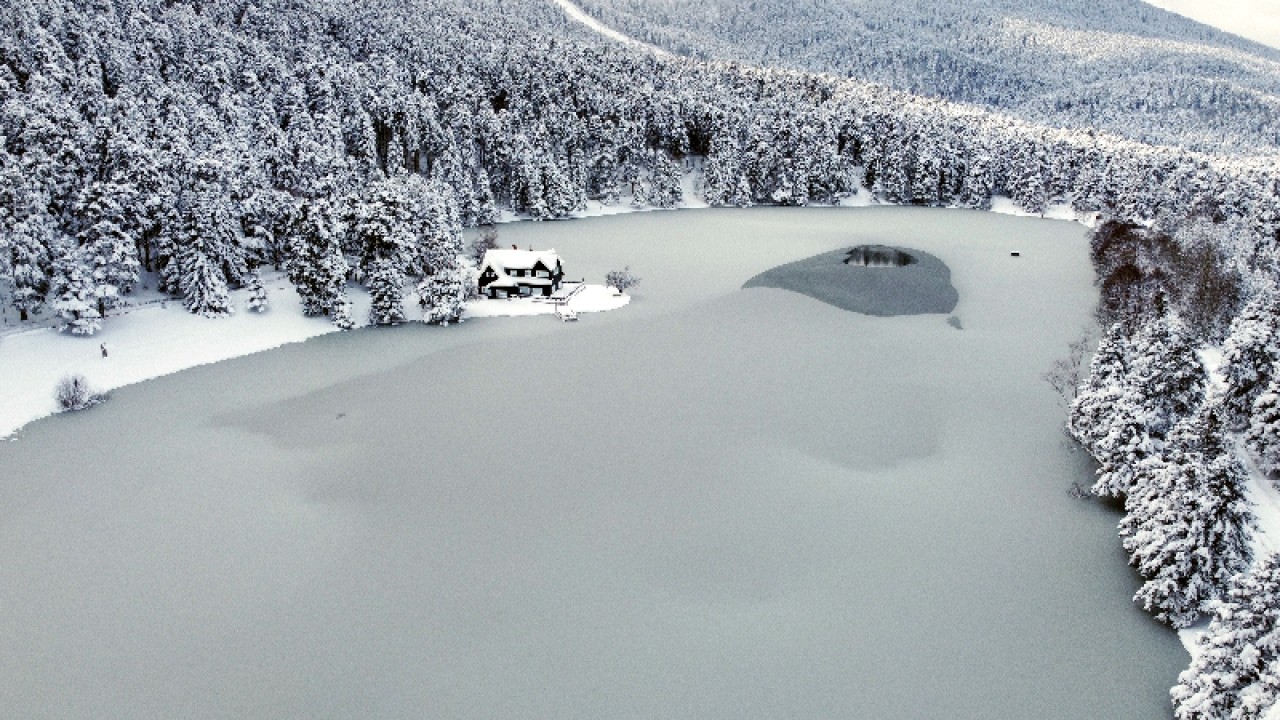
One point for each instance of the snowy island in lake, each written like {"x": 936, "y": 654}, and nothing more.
{"x": 869, "y": 279}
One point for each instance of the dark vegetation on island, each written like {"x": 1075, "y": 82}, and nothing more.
{"x": 869, "y": 279}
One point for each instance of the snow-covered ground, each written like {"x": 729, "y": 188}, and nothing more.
{"x": 159, "y": 337}
{"x": 1060, "y": 211}
{"x": 592, "y": 298}
{"x": 577, "y": 14}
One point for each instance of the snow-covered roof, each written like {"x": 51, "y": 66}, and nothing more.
{"x": 504, "y": 260}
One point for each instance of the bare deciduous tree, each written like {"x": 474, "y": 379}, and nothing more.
{"x": 1067, "y": 372}
{"x": 621, "y": 279}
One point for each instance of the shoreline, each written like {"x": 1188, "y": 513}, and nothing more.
{"x": 164, "y": 340}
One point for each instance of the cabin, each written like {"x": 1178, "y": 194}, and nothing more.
{"x": 520, "y": 273}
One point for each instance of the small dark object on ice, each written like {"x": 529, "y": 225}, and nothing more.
{"x": 1015, "y": 254}
{"x": 104, "y": 349}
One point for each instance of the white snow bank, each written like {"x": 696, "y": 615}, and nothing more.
{"x": 862, "y": 198}
{"x": 162, "y": 338}
{"x": 592, "y": 298}
{"x": 1060, "y": 211}
{"x": 146, "y": 342}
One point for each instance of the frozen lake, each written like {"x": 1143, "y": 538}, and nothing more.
{"x": 715, "y": 503}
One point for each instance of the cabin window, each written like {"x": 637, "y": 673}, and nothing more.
{"x": 524, "y": 290}
{"x": 542, "y": 273}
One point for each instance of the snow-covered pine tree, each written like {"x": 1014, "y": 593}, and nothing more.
{"x": 1091, "y": 411}
{"x": 724, "y": 181}
{"x": 1167, "y": 372}
{"x": 386, "y": 291}
{"x": 257, "y": 291}
{"x": 1187, "y": 522}
{"x": 560, "y": 194}
{"x": 1026, "y": 177}
{"x": 443, "y": 296}
{"x": 317, "y": 267}
{"x": 665, "y": 181}
{"x": 441, "y": 239}
{"x": 29, "y": 244}
{"x": 1250, "y": 353}
{"x": 111, "y": 253}
{"x": 383, "y": 227}
{"x": 204, "y": 289}
{"x": 1126, "y": 445}
{"x": 1236, "y": 673}
{"x": 72, "y": 286}
{"x": 1263, "y": 434}
{"x": 1111, "y": 418}
{"x": 342, "y": 317}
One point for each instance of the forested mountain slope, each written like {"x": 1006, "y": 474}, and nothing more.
{"x": 198, "y": 139}
{"x": 1121, "y": 65}
{"x": 351, "y": 141}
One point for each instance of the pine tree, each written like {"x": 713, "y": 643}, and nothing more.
{"x": 441, "y": 231}
{"x": 1263, "y": 434}
{"x": 383, "y": 228}
{"x": 1125, "y": 446}
{"x": 1111, "y": 417}
{"x": 1167, "y": 371}
{"x": 111, "y": 252}
{"x": 317, "y": 267}
{"x": 72, "y": 288}
{"x": 1250, "y": 354}
{"x": 1026, "y": 181}
{"x": 29, "y": 245}
{"x": 342, "y": 314}
{"x": 1187, "y": 524}
{"x": 257, "y": 291}
{"x": 665, "y": 181}
{"x": 724, "y": 181}
{"x": 386, "y": 290}
{"x": 204, "y": 289}
{"x": 443, "y": 296}
{"x": 1236, "y": 673}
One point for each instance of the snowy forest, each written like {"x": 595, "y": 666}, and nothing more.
{"x": 199, "y": 141}
{"x": 196, "y": 142}
{"x": 1120, "y": 66}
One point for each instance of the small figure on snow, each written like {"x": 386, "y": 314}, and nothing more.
{"x": 103, "y": 346}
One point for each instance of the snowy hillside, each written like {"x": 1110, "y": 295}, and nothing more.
{"x": 1121, "y": 65}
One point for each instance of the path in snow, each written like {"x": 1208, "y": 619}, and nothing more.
{"x": 576, "y": 13}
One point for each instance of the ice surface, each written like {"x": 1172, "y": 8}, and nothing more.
{"x": 716, "y": 504}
